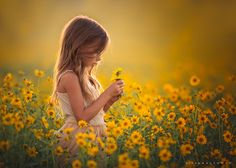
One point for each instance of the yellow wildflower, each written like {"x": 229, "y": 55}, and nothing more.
{"x": 38, "y": 133}
{"x": 4, "y": 145}
{"x": 19, "y": 125}
{"x": 51, "y": 113}
{"x": 124, "y": 159}
{"x": 194, "y": 80}
{"x": 159, "y": 113}
{"x": 82, "y": 123}
{"x": 117, "y": 74}
{"x": 8, "y": 78}
{"x": 110, "y": 125}
{"x": 91, "y": 164}
{"x": 44, "y": 122}
{"x": 111, "y": 148}
{"x": 49, "y": 133}
{"x": 186, "y": 149}
{"x": 68, "y": 130}
{"x": 117, "y": 132}
{"x": 135, "y": 137}
{"x": 16, "y": 102}
{"x": 81, "y": 142}
{"x": 58, "y": 150}
{"x": 201, "y": 139}
{"x": 27, "y": 82}
{"x": 100, "y": 142}
{"x": 171, "y": 116}
{"x": 144, "y": 152}
{"x": 202, "y": 118}
{"x": 165, "y": 155}
{"x": 31, "y": 151}
{"x": 80, "y": 135}
{"x": 125, "y": 124}
{"x": 58, "y": 122}
{"x": 92, "y": 151}
{"x": 76, "y": 164}
{"x": 8, "y": 119}
{"x": 30, "y": 120}
{"x": 220, "y": 88}
{"x": 135, "y": 120}
{"x": 174, "y": 97}
{"x": 227, "y": 136}
{"x": 28, "y": 94}
{"x": 161, "y": 143}
{"x": 134, "y": 163}
{"x": 181, "y": 122}
{"x": 91, "y": 136}
{"x": 216, "y": 153}
{"x": 156, "y": 129}
{"x": 38, "y": 73}
{"x": 233, "y": 152}
{"x": 129, "y": 144}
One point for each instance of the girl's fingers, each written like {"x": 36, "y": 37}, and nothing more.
{"x": 120, "y": 82}
{"x": 121, "y": 85}
{"x": 119, "y": 92}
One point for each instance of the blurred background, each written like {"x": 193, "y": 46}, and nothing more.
{"x": 153, "y": 41}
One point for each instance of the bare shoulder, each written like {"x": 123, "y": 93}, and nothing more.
{"x": 67, "y": 79}
{"x": 69, "y": 76}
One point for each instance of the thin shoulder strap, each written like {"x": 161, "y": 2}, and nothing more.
{"x": 69, "y": 70}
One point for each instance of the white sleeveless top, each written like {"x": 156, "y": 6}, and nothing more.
{"x": 65, "y": 105}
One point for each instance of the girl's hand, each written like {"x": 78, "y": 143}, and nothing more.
{"x": 115, "y": 89}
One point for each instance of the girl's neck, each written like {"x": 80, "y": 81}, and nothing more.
{"x": 69, "y": 68}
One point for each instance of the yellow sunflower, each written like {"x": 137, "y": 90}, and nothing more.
{"x": 194, "y": 80}
{"x": 201, "y": 139}
{"x": 144, "y": 152}
{"x": 171, "y": 116}
{"x": 58, "y": 150}
{"x": 38, "y": 73}
{"x": 76, "y": 164}
{"x": 165, "y": 155}
{"x": 91, "y": 164}
{"x": 186, "y": 149}
{"x": 82, "y": 123}
{"x": 31, "y": 151}
{"x": 227, "y": 136}
{"x": 181, "y": 122}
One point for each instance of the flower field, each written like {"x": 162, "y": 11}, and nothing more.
{"x": 183, "y": 126}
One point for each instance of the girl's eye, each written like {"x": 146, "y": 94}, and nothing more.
{"x": 91, "y": 55}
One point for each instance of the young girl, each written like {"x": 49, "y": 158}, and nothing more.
{"x": 75, "y": 87}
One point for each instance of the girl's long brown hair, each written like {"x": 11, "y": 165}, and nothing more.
{"x": 77, "y": 33}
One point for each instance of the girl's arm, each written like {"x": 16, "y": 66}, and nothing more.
{"x": 73, "y": 89}
{"x": 110, "y": 102}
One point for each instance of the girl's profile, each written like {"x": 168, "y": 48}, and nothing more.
{"x": 78, "y": 92}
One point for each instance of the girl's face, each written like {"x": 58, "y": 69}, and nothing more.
{"x": 90, "y": 56}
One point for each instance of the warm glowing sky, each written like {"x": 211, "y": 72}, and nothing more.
{"x": 153, "y": 41}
